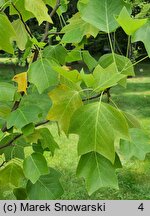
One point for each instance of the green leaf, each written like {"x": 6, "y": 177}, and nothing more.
{"x": 106, "y": 77}
{"x": 4, "y": 111}
{"x": 98, "y": 124}
{"x": 132, "y": 120}
{"x": 41, "y": 100}
{"x": 123, "y": 63}
{"x": 77, "y": 29}
{"x": 47, "y": 140}
{"x": 20, "y": 193}
{"x": 7, "y": 91}
{"x": 11, "y": 174}
{"x": 89, "y": 60}
{"x": 21, "y": 33}
{"x": 65, "y": 102}
{"x": 34, "y": 166}
{"x": 62, "y": 8}
{"x": 129, "y": 24}
{"x": 74, "y": 55}
{"x": 97, "y": 171}
{"x": 28, "y": 129}
{"x": 20, "y": 6}
{"x": 47, "y": 187}
{"x": 138, "y": 147}
{"x": 39, "y": 10}
{"x": 7, "y": 34}
{"x": 142, "y": 34}
{"x": 23, "y": 116}
{"x": 88, "y": 79}
{"x": 42, "y": 75}
{"x": 101, "y": 13}
{"x": 71, "y": 75}
{"x": 58, "y": 53}
{"x": 14, "y": 151}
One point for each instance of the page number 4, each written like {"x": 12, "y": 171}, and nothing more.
{"x": 141, "y": 207}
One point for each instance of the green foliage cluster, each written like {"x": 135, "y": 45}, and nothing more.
{"x": 51, "y": 92}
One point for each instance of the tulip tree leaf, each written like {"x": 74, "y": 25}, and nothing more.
{"x": 42, "y": 75}
{"x": 65, "y": 102}
{"x": 7, "y": 91}
{"x": 47, "y": 187}
{"x": 123, "y": 63}
{"x": 101, "y": 13}
{"x": 47, "y": 140}
{"x": 11, "y": 174}
{"x": 34, "y": 166}
{"x": 142, "y": 34}
{"x": 20, "y": 6}
{"x": 89, "y": 60}
{"x": 14, "y": 151}
{"x": 39, "y": 10}
{"x": 129, "y": 24}
{"x": 58, "y": 53}
{"x": 98, "y": 124}
{"x": 23, "y": 116}
{"x": 138, "y": 147}
{"x": 7, "y": 34}
{"x": 97, "y": 172}
{"x": 20, "y": 33}
{"x": 21, "y": 79}
{"x": 106, "y": 77}
{"x": 132, "y": 120}
{"x": 77, "y": 29}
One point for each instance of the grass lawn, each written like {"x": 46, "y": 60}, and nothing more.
{"x": 134, "y": 178}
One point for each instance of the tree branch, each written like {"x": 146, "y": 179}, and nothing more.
{"x": 47, "y": 23}
{"x": 21, "y": 134}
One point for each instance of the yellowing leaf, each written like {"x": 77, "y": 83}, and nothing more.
{"x": 65, "y": 102}
{"x": 21, "y": 79}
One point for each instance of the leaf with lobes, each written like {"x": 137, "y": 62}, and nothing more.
{"x": 21, "y": 79}
{"x": 16, "y": 150}
{"x": 138, "y": 147}
{"x": 20, "y": 6}
{"x": 98, "y": 124}
{"x": 71, "y": 75}
{"x": 7, "y": 34}
{"x": 23, "y": 116}
{"x": 100, "y": 13}
{"x": 129, "y": 24}
{"x": 106, "y": 77}
{"x": 39, "y": 10}
{"x": 77, "y": 29}
{"x": 142, "y": 34}
{"x": 47, "y": 141}
{"x": 47, "y": 187}
{"x": 56, "y": 52}
{"x": 123, "y": 64}
{"x": 89, "y": 60}
{"x": 97, "y": 171}
{"x": 42, "y": 74}
{"x": 65, "y": 102}
{"x": 34, "y": 166}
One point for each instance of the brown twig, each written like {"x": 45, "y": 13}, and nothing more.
{"x": 47, "y": 23}
{"x": 2, "y": 164}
